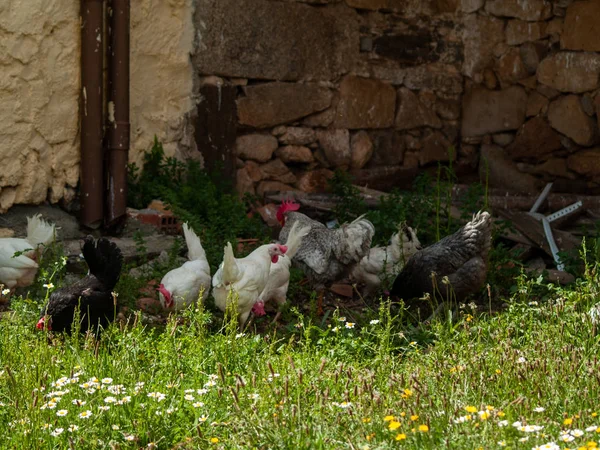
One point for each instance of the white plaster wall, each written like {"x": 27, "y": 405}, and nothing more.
{"x": 39, "y": 88}
{"x": 40, "y": 84}
{"x": 162, "y": 39}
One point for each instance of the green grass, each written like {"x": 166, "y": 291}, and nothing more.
{"x": 378, "y": 384}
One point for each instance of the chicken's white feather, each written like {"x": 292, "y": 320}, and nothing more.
{"x": 186, "y": 282}
{"x": 279, "y": 275}
{"x": 20, "y": 271}
{"x": 241, "y": 280}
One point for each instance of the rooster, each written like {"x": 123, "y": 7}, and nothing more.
{"x": 385, "y": 262}
{"x": 20, "y": 271}
{"x": 92, "y": 294}
{"x": 279, "y": 275}
{"x": 244, "y": 279}
{"x": 182, "y": 286}
{"x": 461, "y": 257}
{"x": 326, "y": 255}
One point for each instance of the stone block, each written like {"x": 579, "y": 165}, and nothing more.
{"x": 412, "y": 112}
{"x": 566, "y": 115}
{"x": 481, "y": 34}
{"x": 487, "y": 111}
{"x": 275, "y": 40}
{"x": 336, "y": 146}
{"x": 365, "y": 103}
{"x": 536, "y": 140}
{"x": 530, "y": 10}
{"x": 520, "y": 31}
{"x": 362, "y": 149}
{"x": 295, "y": 154}
{"x": 581, "y": 29}
{"x": 570, "y": 71}
{"x": 270, "y": 104}
{"x": 585, "y": 162}
{"x": 258, "y": 147}
{"x": 501, "y": 172}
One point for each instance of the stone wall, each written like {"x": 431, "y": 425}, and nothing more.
{"x": 531, "y": 103}
{"x": 384, "y": 88}
{"x": 373, "y": 87}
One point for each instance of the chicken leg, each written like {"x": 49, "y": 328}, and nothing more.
{"x": 277, "y": 316}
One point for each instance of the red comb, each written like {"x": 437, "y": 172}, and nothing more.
{"x": 286, "y": 205}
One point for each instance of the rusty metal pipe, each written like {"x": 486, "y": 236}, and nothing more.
{"x": 118, "y": 112}
{"x": 91, "y": 186}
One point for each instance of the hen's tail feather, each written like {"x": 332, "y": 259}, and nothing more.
{"x": 230, "y": 268}
{"x": 195, "y": 250}
{"x": 356, "y": 240}
{"x": 104, "y": 260}
{"x": 480, "y": 230}
{"x": 295, "y": 239}
{"x": 39, "y": 231}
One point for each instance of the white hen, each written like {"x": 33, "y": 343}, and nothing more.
{"x": 20, "y": 271}
{"x": 243, "y": 280}
{"x": 279, "y": 276}
{"x": 180, "y": 287}
{"x": 386, "y": 262}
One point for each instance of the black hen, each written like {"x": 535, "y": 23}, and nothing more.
{"x": 92, "y": 294}
{"x": 462, "y": 257}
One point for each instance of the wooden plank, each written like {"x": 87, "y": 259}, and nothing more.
{"x": 216, "y": 129}
{"x": 533, "y": 229}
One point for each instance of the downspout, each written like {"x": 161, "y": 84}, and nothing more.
{"x": 92, "y": 191}
{"x": 118, "y": 112}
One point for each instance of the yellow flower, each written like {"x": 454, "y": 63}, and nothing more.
{"x": 501, "y": 414}
{"x": 414, "y": 417}
{"x": 484, "y": 415}
{"x": 567, "y": 421}
{"x": 394, "y": 425}
{"x": 403, "y": 414}
{"x": 370, "y": 436}
{"x": 498, "y": 371}
{"x": 594, "y": 414}
{"x": 591, "y": 444}
{"x": 400, "y": 437}
{"x": 470, "y": 409}
{"x": 476, "y": 425}
{"x": 423, "y": 428}
{"x": 366, "y": 420}
{"x": 214, "y": 440}
{"x": 407, "y": 393}
{"x": 388, "y": 418}
{"x": 469, "y": 317}
{"x": 490, "y": 408}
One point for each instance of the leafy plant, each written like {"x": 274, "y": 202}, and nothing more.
{"x": 214, "y": 212}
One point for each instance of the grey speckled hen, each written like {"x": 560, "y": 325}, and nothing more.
{"x": 326, "y": 255}
{"x": 462, "y": 257}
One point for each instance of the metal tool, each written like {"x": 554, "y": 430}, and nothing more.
{"x": 546, "y": 220}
